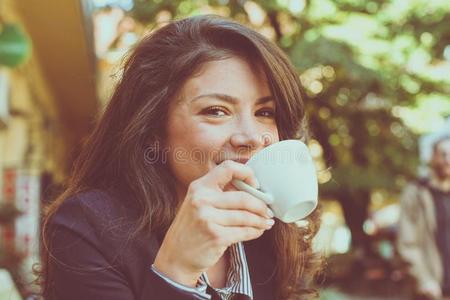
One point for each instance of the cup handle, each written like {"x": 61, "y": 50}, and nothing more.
{"x": 240, "y": 185}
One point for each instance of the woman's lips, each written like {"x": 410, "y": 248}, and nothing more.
{"x": 239, "y": 160}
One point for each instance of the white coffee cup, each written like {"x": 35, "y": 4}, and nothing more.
{"x": 287, "y": 177}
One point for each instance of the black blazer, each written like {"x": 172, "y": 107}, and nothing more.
{"x": 94, "y": 258}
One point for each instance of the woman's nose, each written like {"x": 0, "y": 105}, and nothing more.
{"x": 249, "y": 134}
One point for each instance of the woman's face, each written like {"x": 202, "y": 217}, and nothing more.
{"x": 225, "y": 112}
{"x": 441, "y": 159}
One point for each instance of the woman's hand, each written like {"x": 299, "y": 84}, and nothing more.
{"x": 209, "y": 220}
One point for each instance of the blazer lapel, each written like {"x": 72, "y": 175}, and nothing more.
{"x": 261, "y": 265}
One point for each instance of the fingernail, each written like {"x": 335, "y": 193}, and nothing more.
{"x": 270, "y": 213}
{"x": 270, "y": 222}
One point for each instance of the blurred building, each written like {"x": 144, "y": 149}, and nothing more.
{"x": 47, "y": 106}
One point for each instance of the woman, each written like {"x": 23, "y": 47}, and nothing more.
{"x": 149, "y": 212}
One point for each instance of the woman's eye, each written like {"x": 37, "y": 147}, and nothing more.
{"x": 269, "y": 113}
{"x": 215, "y": 111}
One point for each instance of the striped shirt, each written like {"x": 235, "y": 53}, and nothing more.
{"x": 238, "y": 278}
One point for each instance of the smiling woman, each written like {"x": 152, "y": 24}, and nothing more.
{"x": 219, "y": 117}
{"x": 203, "y": 95}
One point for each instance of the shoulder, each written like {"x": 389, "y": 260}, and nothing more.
{"x": 415, "y": 186}
{"x": 90, "y": 205}
{"x": 414, "y": 194}
{"x": 101, "y": 220}
{"x": 96, "y": 200}
{"x": 94, "y": 214}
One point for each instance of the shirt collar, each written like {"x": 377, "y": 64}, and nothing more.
{"x": 238, "y": 276}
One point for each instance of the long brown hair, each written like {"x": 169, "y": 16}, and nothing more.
{"x": 114, "y": 155}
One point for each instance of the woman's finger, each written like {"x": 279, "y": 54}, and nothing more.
{"x": 222, "y": 174}
{"x": 239, "y": 200}
{"x": 227, "y": 217}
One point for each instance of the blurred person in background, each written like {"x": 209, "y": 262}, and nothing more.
{"x": 424, "y": 226}
{"x": 149, "y": 212}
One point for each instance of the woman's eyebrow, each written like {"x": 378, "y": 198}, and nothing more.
{"x": 229, "y": 98}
